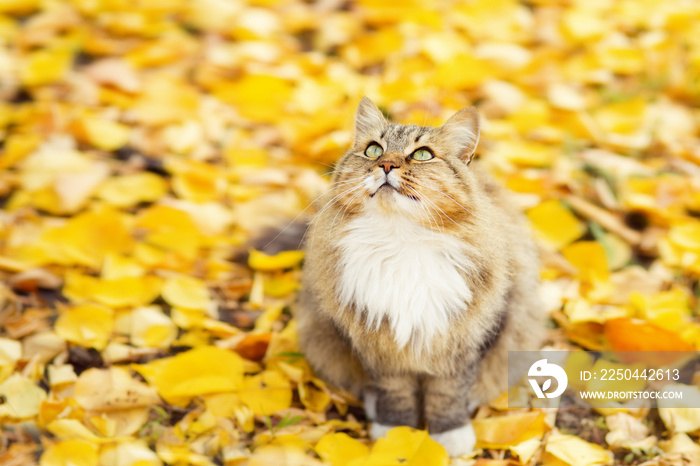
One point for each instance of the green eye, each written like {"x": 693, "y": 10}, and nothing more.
{"x": 374, "y": 151}
{"x": 422, "y": 155}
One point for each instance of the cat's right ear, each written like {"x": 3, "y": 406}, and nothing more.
{"x": 462, "y": 131}
{"x": 369, "y": 120}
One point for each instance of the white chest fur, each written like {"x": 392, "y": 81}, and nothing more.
{"x": 395, "y": 269}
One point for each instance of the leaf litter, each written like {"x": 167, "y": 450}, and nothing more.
{"x": 145, "y": 145}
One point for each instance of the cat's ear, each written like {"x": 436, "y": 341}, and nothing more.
{"x": 369, "y": 120}
{"x": 462, "y": 132}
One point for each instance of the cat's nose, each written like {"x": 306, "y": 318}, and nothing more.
{"x": 388, "y": 165}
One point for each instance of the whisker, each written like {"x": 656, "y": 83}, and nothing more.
{"x": 436, "y": 207}
{"x": 430, "y": 216}
{"x": 333, "y": 200}
{"x": 470, "y": 211}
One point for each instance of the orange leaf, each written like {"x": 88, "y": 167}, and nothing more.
{"x": 634, "y": 335}
{"x": 253, "y": 346}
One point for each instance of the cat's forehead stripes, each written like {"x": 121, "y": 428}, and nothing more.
{"x": 402, "y": 138}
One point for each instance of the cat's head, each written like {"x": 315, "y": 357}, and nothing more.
{"x": 409, "y": 170}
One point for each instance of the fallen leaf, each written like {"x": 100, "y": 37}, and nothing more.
{"x": 186, "y": 292}
{"x": 508, "y": 431}
{"x": 577, "y": 452}
{"x": 200, "y": 371}
{"x": 75, "y": 452}
{"x": 266, "y": 393}
{"x": 339, "y": 449}
{"x": 406, "y": 446}
{"x": 557, "y": 225}
{"x": 636, "y": 335}
{"x": 86, "y": 324}
{"x": 21, "y": 396}
{"x": 286, "y": 259}
{"x": 112, "y": 389}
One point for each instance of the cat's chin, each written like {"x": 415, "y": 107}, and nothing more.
{"x": 390, "y": 201}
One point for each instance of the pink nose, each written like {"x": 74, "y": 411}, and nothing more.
{"x": 388, "y": 166}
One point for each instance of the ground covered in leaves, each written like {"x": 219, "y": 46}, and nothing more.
{"x": 144, "y": 143}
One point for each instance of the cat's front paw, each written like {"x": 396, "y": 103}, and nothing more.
{"x": 378, "y": 430}
{"x": 370, "y": 398}
{"x": 457, "y": 442}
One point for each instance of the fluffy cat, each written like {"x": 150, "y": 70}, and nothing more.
{"x": 419, "y": 277}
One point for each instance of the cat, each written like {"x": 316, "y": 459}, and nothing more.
{"x": 419, "y": 276}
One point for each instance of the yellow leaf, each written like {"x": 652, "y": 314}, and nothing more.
{"x": 59, "y": 374}
{"x": 682, "y": 414}
{"x": 129, "y": 190}
{"x": 686, "y": 235}
{"x": 507, "y": 431}
{"x": 274, "y": 454}
{"x": 576, "y": 452}
{"x": 71, "y": 428}
{"x": 499, "y": 20}
{"x": 18, "y": 7}
{"x": 462, "y": 72}
{"x": 45, "y": 66}
{"x": 667, "y": 309}
{"x": 314, "y": 396}
{"x": 237, "y": 156}
{"x": 168, "y": 48}
{"x": 525, "y": 153}
{"x": 266, "y": 393}
{"x": 583, "y": 25}
{"x": 151, "y": 328}
{"x": 268, "y": 317}
{"x": 200, "y": 371}
{"x": 339, "y": 449}
{"x": 21, "y": 396}
{"x": 590, "y": 260}
{"x": 88, "y": 237}
{"x": 10, "y": 353}
{"x": 624, "y": 117}
{"x": 373, "y": 48}
{"x": 555, "y": 223}
{"x": 525, "y": 450}
{"x": 17, "y": 147}
{"x": 118, "y": 266}
{"x": 258, "y": 260}
{"x": 258, "y": 97}
{"x": 101, "y": 133}
{"x": 110, "y": 389}
{"x": 88, "y": 325}
{"x": 130, "y": 453}
{"x": 281, "y": 286}
{"x": 388, "y": 11}
{"x": 681, "y": 443}
{"x": 195, "y": 181}
{"x": 171, "y": 230}
{"x": 118, "y": 292}
{"x": 408, "y": 447}
{"x": 75, "y": 452}
{"x": 187, "y": 292}
{"x": 622, "y": 60}
{"x": 165, "y": 100}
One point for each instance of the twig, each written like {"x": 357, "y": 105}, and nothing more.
{"x": 604, "y": 218}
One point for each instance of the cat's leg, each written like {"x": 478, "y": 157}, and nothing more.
{"x": 397, "y": 403}
{"x": 329, "y": 352}
{"x": 446, "y": 410}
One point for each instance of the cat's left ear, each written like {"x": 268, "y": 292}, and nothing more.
{"x": 462, "y": 132}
